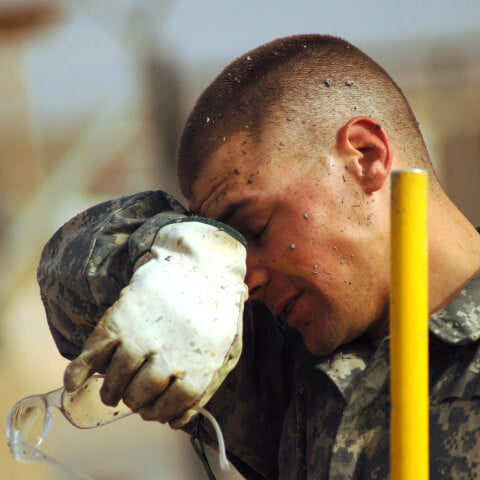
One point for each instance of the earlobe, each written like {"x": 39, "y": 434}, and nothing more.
{"x": 365, "y": 146}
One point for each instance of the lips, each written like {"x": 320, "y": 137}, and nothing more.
{"x": 290, "y": 305}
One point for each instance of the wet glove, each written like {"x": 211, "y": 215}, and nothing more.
{"x": 175, "y": 332}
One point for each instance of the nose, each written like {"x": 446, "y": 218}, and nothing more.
{"x": 256, "y": 279}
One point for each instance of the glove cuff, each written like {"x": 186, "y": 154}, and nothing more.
{"x": 227, "y": 229}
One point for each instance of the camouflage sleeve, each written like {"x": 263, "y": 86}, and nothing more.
{"x": 90, "y": 259}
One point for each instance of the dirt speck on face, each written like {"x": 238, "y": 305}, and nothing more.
{"x": 292, "y": 246}
{"x": 305, "y": 216}
{"x": 236, "y": 171}
{"x": 349, "y": 83}
{"x": 328, "y": 82}
{"x": 335, "y": 247}
{"x": 289, "y": 119}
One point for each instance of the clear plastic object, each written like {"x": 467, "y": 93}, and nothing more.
{"x": 29, "y": 420}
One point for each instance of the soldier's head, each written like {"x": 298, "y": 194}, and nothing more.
{"x": 292, "y": 144}
{"x": 304, "y": 88}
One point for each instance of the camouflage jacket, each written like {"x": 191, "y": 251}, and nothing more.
{"x": 285, "y": 413}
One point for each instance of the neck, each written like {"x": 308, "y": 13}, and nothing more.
{"x": 454, "y": 252}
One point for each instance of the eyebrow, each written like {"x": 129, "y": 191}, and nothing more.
{"x": 232, "y": 209}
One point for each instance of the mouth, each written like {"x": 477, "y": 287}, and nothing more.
{"x": 290, "y": 305}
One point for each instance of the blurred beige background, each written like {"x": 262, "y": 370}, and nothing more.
{"x": 92, "y": 98}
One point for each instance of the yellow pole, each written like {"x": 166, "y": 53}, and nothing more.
{"x": 409, "y": 451}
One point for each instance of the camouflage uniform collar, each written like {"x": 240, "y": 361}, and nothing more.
{"x": 345, "y": 366}
{"x": 458, "y": 323}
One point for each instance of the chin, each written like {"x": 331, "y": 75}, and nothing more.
{"x": 321, "y": 335}
{"x": 318, "y": 347}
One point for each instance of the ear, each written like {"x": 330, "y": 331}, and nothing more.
{"x": 364, "y": 144}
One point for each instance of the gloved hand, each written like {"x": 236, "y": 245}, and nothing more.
{"x": 175, "y": 332}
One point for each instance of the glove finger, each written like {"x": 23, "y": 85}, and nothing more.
{"x": 122, "y": 368}
{"x": 150, "y": 382}
{"x": 93, "y": 358}
{"x": 171, "y": 404}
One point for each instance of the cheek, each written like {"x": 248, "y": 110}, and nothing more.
{"x": 321, "y": 262}
{"x": 291, "y": 241}
{"x": 299, "y": 255}
{"x": 300, "y": 242}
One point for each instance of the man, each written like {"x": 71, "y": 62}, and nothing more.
{"x": 292, "y": 145}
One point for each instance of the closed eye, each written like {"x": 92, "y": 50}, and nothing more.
{"x": 258, "y": 234}
{"x": 252, "y": 223}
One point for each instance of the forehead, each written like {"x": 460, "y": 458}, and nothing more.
{"x": 243, "y": 170}
{"x": 233, "y": 169}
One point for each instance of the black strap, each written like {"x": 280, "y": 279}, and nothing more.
{"x": 199, "y": 447}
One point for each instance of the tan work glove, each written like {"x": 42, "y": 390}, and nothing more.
{"x": 175, "y": 332}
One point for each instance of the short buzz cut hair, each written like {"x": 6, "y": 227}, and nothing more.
{"x": 320, "y": 79}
